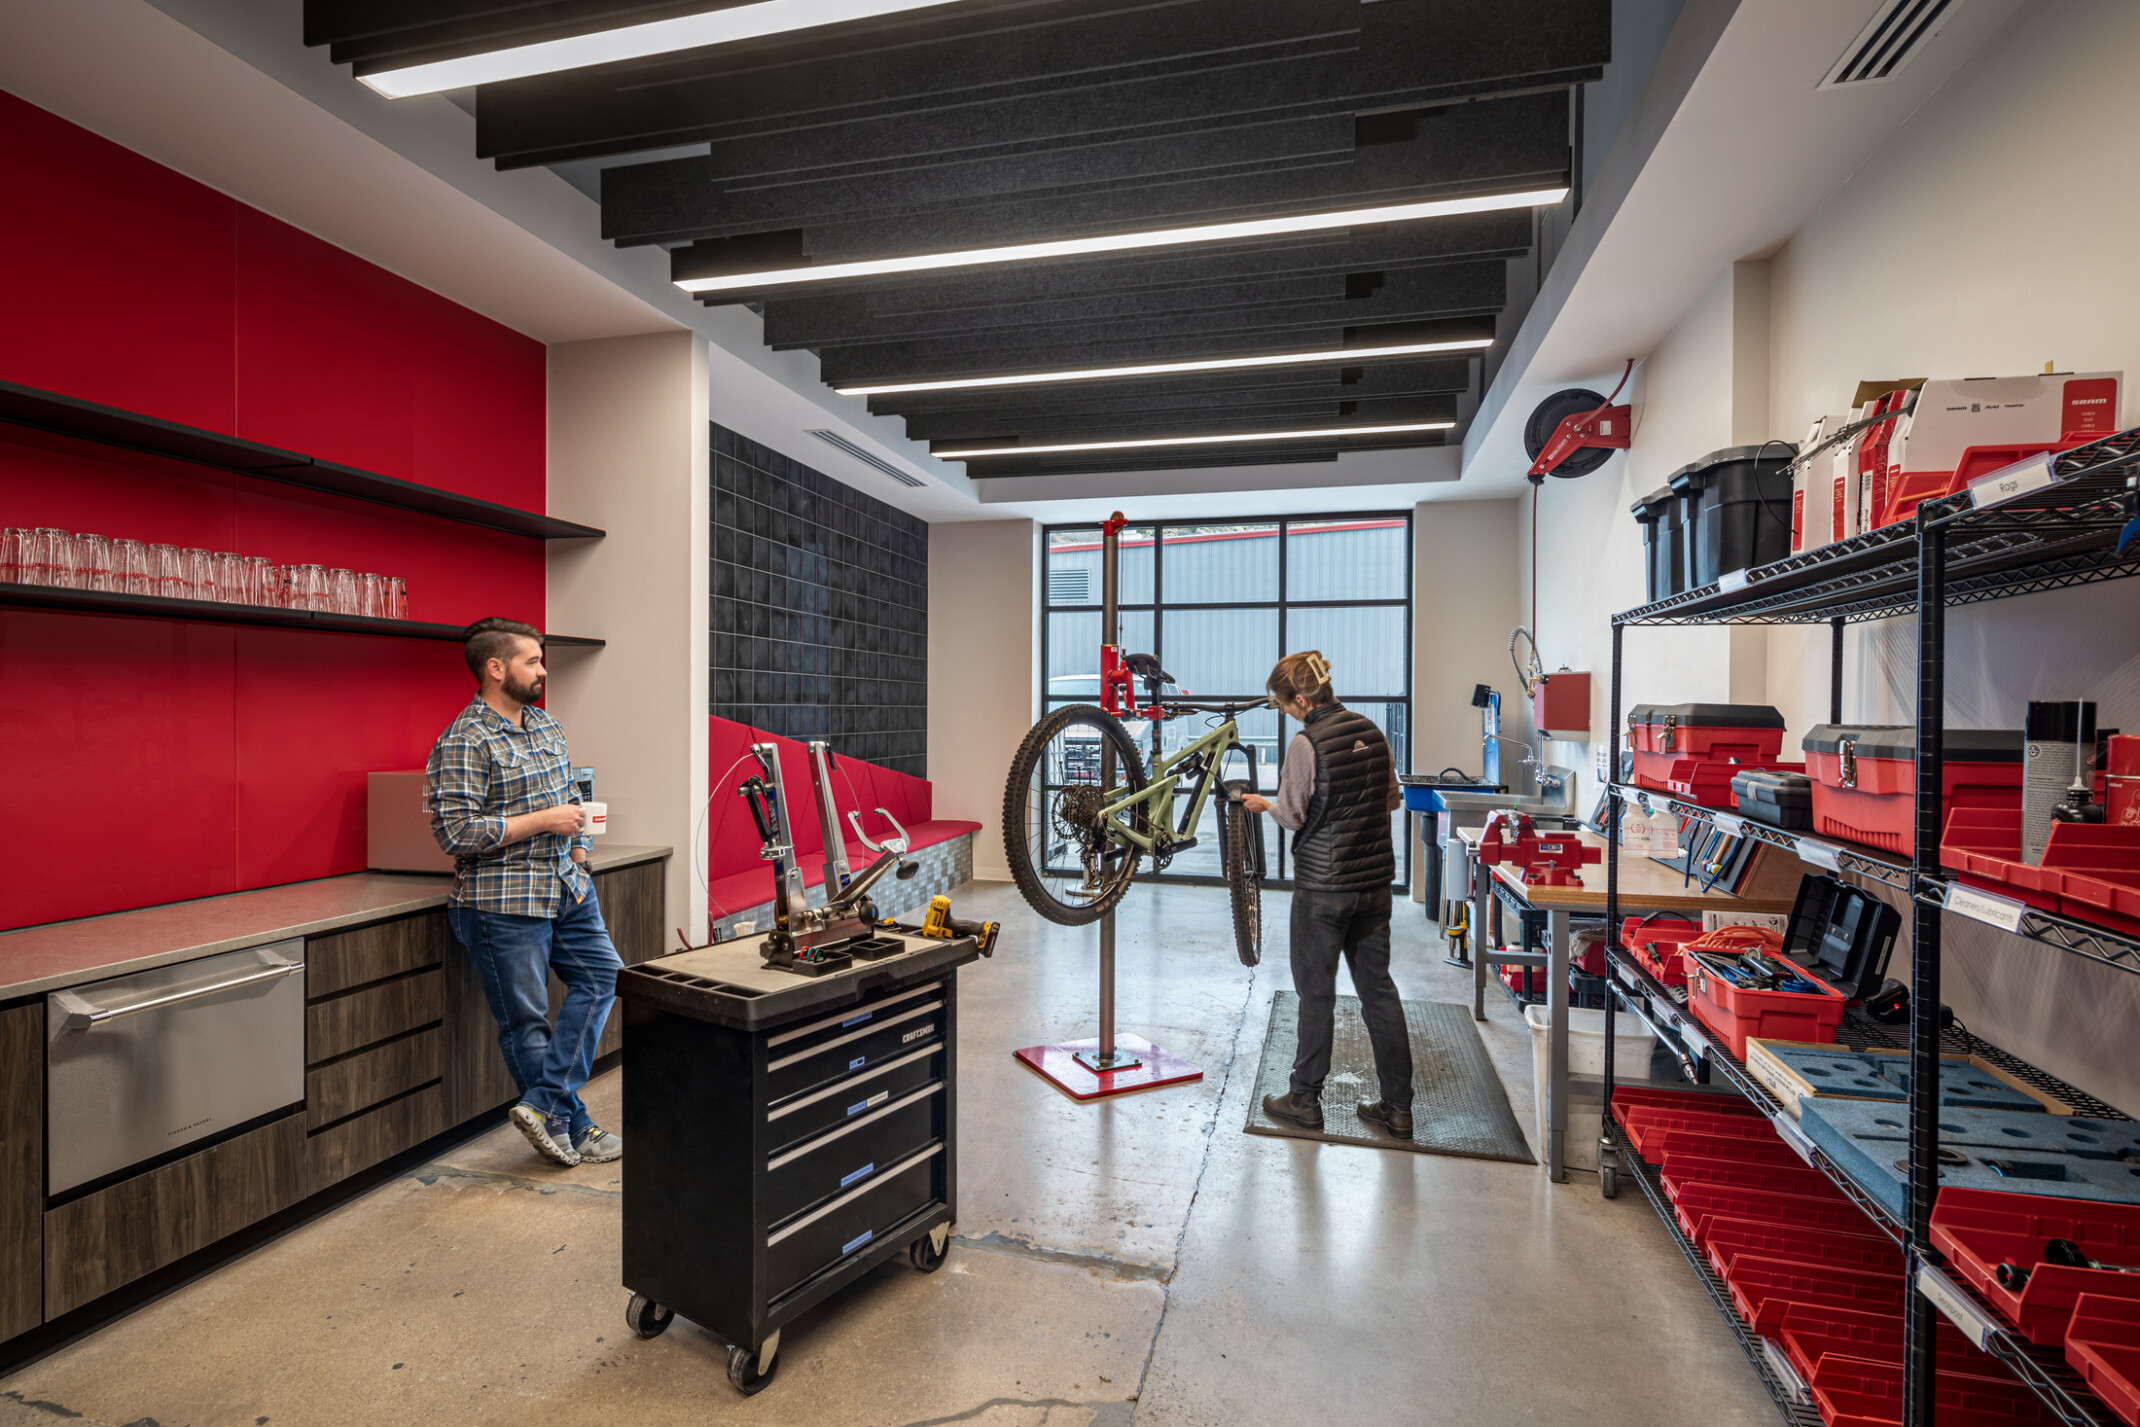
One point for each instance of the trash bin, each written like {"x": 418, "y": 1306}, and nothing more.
{"x": 1586, "y": 1059}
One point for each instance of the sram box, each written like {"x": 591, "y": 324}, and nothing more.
{"x": 1964, "y": 429}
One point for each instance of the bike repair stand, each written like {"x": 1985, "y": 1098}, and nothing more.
{"x": 1107, "y": 1064}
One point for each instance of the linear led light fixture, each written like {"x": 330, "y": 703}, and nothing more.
{"x": 1128, "y": 242}
{"x": 687, "y": 32}
{"x": 1160, "y": 369}
{"x": 1223, "y": 440}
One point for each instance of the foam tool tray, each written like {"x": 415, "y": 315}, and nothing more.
{"x": 1978, "y": 1230}
{"x": 1796, "y": 1072}
{"x": 2067, "y": 1157}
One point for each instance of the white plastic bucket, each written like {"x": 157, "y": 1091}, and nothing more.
{"x": 1631, "y": 1047}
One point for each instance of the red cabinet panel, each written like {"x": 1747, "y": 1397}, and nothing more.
{"x": 315, "y": 713}
{"x": 120, "y": 274}
{"x": 81, "y": 486}
{"x": 119, "y": 733}
{"x": 480, "y": 421}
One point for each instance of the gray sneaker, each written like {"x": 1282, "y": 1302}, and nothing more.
{"x": 550, "y": 1134}
{"x": 599, "y": 1146}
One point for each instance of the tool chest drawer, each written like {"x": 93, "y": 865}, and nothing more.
{"x": 849, "y": 1154}
{"x": 808, "y": 1114}
{"x": 867, "y": 1038}
{"x": 848, "y": 1224}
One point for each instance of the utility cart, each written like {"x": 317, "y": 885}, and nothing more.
{"x": 789, "y": 1134}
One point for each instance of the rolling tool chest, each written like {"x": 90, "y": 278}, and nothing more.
{"x": 789, "y": 1134}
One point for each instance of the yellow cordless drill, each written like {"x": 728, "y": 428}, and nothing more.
{"x": 943, "y": 926}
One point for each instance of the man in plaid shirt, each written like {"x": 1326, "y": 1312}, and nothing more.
{"x": 499, "y": 785}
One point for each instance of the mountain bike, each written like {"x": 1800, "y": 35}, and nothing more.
{"x": 1081, "y": 811}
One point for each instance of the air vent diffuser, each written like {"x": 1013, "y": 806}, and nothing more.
{"x": 877, "y": 463}
{"x": 1890, "y": 40}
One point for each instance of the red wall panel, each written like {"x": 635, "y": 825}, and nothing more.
{"x": 171, "y": 760}
{"x": 122, "y": 781}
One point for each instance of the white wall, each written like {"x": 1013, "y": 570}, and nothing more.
{"x": 1986, "y": 238}
{"x": 1464, "y": 603}
{"x": 629, "y": 446}
{"x": 984, "y": 588}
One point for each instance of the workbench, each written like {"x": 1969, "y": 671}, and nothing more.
{"x": 1645, "y": 886}
{"x": 789, "y": 1133}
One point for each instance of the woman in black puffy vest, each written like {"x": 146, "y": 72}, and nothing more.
{"x": 1336, "y": 791}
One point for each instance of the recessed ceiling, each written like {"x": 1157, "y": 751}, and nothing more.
{"x": 978, "y": 124}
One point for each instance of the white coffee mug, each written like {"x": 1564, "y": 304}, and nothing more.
{"x": 597, "y": 818}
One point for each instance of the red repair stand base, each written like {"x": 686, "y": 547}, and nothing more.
{"x": 1139, "y": 1065}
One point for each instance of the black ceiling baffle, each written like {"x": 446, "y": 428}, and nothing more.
{"x": 982, "y": 123}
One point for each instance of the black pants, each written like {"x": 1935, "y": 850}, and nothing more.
{"x": 1356, "y": 924}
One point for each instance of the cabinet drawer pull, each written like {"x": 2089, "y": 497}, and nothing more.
{"x": 851, "y": 1176}
{"x": 822, "y": 1046}
{"x": 822, "y": 1140}
{"x": 856, "y": 1193}
{"x": 847, "y": 1088}
{"x": 83, "y": 1014}
{"x": 839, "y": 1016}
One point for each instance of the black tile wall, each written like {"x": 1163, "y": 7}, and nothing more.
{"x": 820, "y": 608}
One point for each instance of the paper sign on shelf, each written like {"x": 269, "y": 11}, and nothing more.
{"x": 1975, "y": 1324}
{"x": 2009, "y": 481}
{"x": 1820, "y": 854}
{"x": 2000, "y": 912}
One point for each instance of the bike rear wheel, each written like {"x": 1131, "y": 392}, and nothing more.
{"x": 1066, "y": 864}
{"x": 1241, "y": 855}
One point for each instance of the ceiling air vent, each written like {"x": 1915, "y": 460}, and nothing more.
{"x": 873, "y": 462}
{"x": 1890, "y": 40}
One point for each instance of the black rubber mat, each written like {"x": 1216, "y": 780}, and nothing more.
{"x": 1458, "y": 1105}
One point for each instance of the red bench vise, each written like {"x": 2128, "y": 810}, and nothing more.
{"x": 1547, "y": 860}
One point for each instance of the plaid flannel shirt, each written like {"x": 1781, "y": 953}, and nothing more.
{"x": 483, "y": 770}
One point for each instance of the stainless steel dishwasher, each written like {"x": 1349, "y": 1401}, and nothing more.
{"x": 142, "y": 1065}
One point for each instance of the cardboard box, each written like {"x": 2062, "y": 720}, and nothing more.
{"x": 1967, "y": 428}
{"x": 397, "y": 826}
{"x": 1812, "y": 520}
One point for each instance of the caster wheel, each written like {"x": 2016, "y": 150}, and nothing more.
{"x": 743, "y": 1371}
{"x": 1608, "y": 1181}
{"x": 926, "y": 1256}
{"x": 647, "y": 1318}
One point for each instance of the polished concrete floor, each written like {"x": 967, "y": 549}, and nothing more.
{"x": 1136, "y": 1261}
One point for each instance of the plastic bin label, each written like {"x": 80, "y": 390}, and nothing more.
{"x": 857, "y": 1242}
{"x": 1729, "y": 824}
{"x": 1999, "y": 912}
{"x": 1787, "y": 1130}
{"x": 860, "y": 1105}
{"x": 847, "y": 1179}
{"x": 2009, "y": 481}
{"x": 1731, "y": 580}
{"x": 1820, "y": 854}
{"x": 1948, "y": 1299}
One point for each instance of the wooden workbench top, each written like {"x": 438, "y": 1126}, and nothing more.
{"x": 1653, "y": 887}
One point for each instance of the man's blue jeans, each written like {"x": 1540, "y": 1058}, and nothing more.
{"x": 513, "y": 957}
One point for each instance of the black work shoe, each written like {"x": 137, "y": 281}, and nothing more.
{"x": 1390, "y": 1119}
{"x": 1294, "y": 1110}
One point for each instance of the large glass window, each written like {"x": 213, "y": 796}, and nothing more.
{"x": 1219, "y": 602}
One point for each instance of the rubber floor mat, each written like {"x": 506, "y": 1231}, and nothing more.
{"x": 1458, "y": 1105}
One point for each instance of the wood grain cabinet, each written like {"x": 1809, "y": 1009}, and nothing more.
{"x": 22, "y": 1169}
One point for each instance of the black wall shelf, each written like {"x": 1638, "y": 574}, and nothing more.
{"x": 111, "y": 426}
{"x": 216, "y": 612}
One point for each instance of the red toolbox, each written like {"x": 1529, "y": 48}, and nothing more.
{"x": 1684, "y": 1171}
{"x": 1865, "y": 778}
{"x": 1979, "y": 1229}
{"x": 1867, "y": 1253}
{"x": 1699, "y": 1204}
{"x": 1694, "y": 750}
{"x": 1761, "y": 1289}
{"x": 2103, "y": 1344}
{"x": 2090, "y": 871}
{"x": 1737, "y": 1013}
{"x": 1853, "y": 1392}
{"x": 1655, "y": 945}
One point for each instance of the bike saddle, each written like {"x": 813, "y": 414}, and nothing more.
{"x": 1146, "y": 667}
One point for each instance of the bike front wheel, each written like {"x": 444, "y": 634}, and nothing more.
{"x": 1068, "y": 864}
{"x": 1241, "y": 855}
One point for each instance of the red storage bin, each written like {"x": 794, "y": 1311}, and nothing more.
{"x": 1698, "y": 1204}
{"x": 1979, "y": 1229}
{"x": 1647, "y": 1126}
{"x": 1766, "y": 1149}
{"x": 1853, "y": 1392}
{"x": 1762, "y": 1289}
{"x": 2103, "y": 1344}
{"x": 1655, "y": 945}
{"x": 1865, "y": 778}
{"x": 1684, "y": 1171}
{"x": 1628, "y": 1098}
{"x": 1736, "y": 1014}
{"x": 1811, "y": 1332}
{"x": 1523, "y": 980}
{"x": 2090, "y": 872}
{"x": 1866, "y": 1253}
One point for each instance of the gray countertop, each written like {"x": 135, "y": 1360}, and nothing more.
{"x": 46, "y": 958}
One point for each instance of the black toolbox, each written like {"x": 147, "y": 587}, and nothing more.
{"x": 1659, "y": 515}
{"x": 1841, "y": 933}
{"x": 1777, "y": 798}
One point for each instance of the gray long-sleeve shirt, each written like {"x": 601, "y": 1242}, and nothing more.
{"x": 1296, "y": 785}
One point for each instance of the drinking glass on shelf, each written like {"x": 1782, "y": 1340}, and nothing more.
{"x": 371, "y": 601}
{"x": 312, "y": 582}
{"x": 395, "y": 597}
{"x": 262, "y": 581}
{"x": 52, "y": 558}
{"x": 167, "y": 573}
{"x": 342, "y": 591}
{"x": 228, "y": 579}
{"x": 15, "y": 554}
{"x": 131, "y": 572}
{"x": 199, "y": 568}
{"x": 92, "y": 562}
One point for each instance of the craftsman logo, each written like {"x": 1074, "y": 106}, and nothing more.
{"x": 860, "y": 1105}
{"x": 915, "y": 1035}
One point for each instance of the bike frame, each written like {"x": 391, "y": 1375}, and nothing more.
{"x": 1158, "y": 794}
